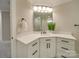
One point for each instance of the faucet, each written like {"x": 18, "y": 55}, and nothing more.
{"x": 43, "y": 32}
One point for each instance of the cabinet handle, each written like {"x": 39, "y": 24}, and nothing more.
{"x": 65, "y": 48}
{"x": 34, "y": 52}
{"x": 65, "y": 41}
{"x": 63, "y": 56}
{"x": 49, "y": 45}
{"x": 48, "y": 39}
{"x": 34, "y": 44}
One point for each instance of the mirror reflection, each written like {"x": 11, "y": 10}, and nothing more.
{"x": 42, "y": 18}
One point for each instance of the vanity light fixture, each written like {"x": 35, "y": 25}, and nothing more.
{"x": 42, "y": 9}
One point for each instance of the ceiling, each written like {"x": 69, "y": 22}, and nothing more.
{"x": 5, "y": 4}
{"x": 50, "y": 3}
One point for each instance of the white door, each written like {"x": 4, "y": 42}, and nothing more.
{"x": 47, "y": 47}
{"x": 13, "y": 27}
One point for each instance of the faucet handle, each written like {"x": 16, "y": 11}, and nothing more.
{"x": 44, "y": 32}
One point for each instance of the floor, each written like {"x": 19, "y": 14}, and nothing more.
{"x": 5, "y": 49}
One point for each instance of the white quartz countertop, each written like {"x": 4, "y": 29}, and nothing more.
{"x": 28, "y": 38}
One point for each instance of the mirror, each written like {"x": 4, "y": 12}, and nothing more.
{"x": 42, "y": 16}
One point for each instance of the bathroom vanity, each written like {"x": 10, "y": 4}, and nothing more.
{"x": 49, "y": 45}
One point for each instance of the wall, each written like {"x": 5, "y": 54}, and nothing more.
{"x": 65, "y": 16}
{"x": 5, "y": 26}
{"x": 24, "y": 10}
{"x": 75, "y": 16}
{"x": 62, "y": 15}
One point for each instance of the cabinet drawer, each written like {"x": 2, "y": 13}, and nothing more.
{"x": 33, "y": 49}
{"x": 65, "y": 47}
{"x": 34, "y": 52}
{"x": 65, "y": 41}
{"x": 47, "y": 39}
{"x": 64, "y": 54}
{"x": 34, "y": 44}
{"x": 61, "y": 54}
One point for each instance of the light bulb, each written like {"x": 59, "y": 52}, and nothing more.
{"x": 39, "y": 8}
{"x": 47, "y": 8}
{"x": 46, "y": 11}
{"x": 44, "y": 8}
{"x": 35, "y": 8}
{"x": 50, "y": 10}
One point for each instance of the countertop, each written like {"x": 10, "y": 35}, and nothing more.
{"x": 28, "y": 38}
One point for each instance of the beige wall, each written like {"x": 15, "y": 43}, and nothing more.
{"x": 76, "y": 20}
{"x": 24, "y": 10}
{"x": 65, "y": 16}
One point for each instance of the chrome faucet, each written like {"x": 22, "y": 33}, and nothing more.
{"x": 43, "y": 32}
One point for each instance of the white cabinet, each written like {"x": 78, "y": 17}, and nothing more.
{"x": 30, "y": 50}
{"x": 44, "y": 47}
{"x": 65, "y": 47}
{"x": 47, "y": 47}
{"x": 33, "y": 49}
{"x": 21, "y": 50}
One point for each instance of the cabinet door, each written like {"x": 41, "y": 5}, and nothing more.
{"x": 21, "y": 50}
{"x": 47, "y": 47}
{"x": 33, "y": 49}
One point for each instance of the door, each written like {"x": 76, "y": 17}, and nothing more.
{"x": 47, "y": 47}
{"x": 13, "y": 27}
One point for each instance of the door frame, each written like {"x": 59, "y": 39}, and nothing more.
{"x": 13, "y": 27}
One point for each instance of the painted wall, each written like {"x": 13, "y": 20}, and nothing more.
{"x": 24, "y": 10}
{"x": 75, "y": 17}
{"x": 65, "y": 16}
{"x": 62, "y": 15}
